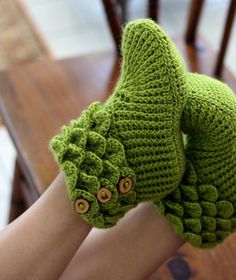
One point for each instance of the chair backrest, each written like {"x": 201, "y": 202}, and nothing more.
{"x": 116, "y": 14}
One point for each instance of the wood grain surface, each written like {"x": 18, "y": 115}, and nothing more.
{"x": 36, "y": 100}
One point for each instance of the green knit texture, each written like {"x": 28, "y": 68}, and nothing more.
{"x": 202, "y": 209}
{"x": 135, "y": 134}
{"x": 138, "y": 134}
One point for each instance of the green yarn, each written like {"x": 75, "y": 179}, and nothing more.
{"x": 135, "y": 134}
{"x": 133, "y": 144}
{"x": 209, "y": 120}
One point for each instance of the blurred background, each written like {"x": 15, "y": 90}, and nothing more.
{"x": 78, "y": 27}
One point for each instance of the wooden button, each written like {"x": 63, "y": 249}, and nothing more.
{"x": 125, "y": 185}
{"x": 81, "y": 206}
{"x": 104, "y": 195}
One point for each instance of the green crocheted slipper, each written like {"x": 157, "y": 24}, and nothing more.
{"x": 202, "y": 210}
{"x": 129, "y": 149}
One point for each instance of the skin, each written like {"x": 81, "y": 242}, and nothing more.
{"x": 131, "y": 250}
{"x": 41, "y": 243}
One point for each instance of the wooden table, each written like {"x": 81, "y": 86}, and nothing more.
{"x": 36, "y": 99}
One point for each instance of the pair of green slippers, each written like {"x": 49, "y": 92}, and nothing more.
{"x": 131, "y": 148}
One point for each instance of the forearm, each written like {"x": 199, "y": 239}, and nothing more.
{"x": 131, "y": 250}
{"x": 41, "y": 242}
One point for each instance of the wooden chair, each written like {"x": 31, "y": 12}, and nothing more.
{"x": 116, "y": 13}
{"x": 192, "y": 25}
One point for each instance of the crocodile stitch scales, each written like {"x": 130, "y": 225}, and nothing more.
{"x": 130, "y": 149}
